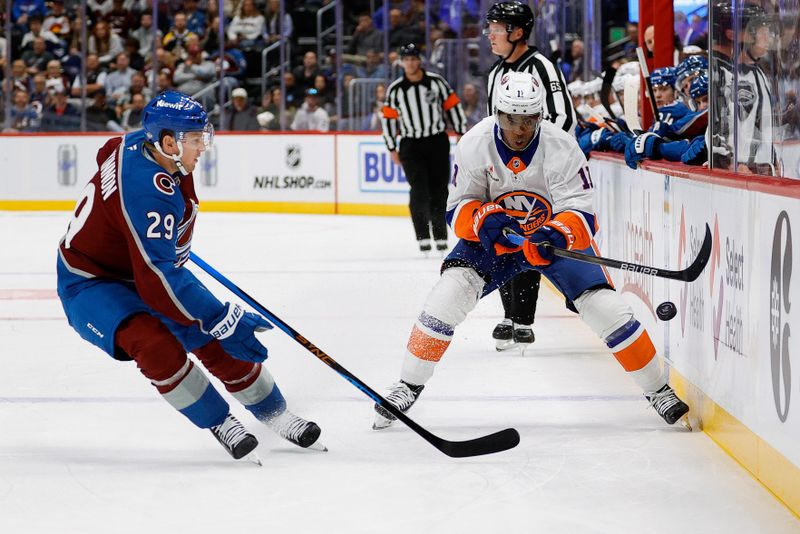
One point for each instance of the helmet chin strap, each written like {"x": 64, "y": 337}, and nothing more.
{"x": 174, "y": 157}
{"x": 513, "y": 46}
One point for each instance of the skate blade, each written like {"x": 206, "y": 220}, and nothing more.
{"x": 317, "y": 446}
{"x": 381, "y": 422}
{"x": 253, "y": 458}
{"x": 685, "y": 423}
{"x": 502, "y": 345}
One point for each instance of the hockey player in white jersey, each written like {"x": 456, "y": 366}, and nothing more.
{"x": 515, "y": 171}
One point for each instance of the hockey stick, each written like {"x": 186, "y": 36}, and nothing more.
{"x": 631, "y": 107}
{"x": 606, "y": 88}
{"x": 497, "y": 442}
{"x": 690, "y": 274}
{"x": 647, "y": 83}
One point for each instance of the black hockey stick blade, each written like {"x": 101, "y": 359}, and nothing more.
{"x": 605, "y": 90}
{"x": 690, "y": 274}
{"x": 497, "y": 442}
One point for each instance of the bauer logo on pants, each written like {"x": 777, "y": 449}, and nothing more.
{"x": 779, "y": 307}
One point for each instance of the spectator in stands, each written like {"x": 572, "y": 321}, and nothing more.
{"x": 269, "y": 113}
{"x": 119, "y": 81}
{"x": 55, "y": 79}
{"x": 120, "y": 20}
{"x": 57, "y": 22}
{"x": 99, "y": 8}
{"x": 36, "y": 59}
{"x": 310, "y": 116}
{"x": 105, "y": 44}
{"x": 374, "y": 68}
{"x": 373, "y": 121}
{"x": 365, "y": 37}
{"x": 40, "y": 93}
{"x": 36, "y": 29}
{"x": 135, "y": 59}
{"x": 60, "y": 115}
{"x": 210, "y": 40}
{"x": 164, "y": 81}
{"x": 3, "y": 50}
{"x": 293, "y": 93}
{"x": 195, "y": 19}
{"x": 175, "y": 40}
{"x": 572, "y": 66}
{"x": 401, "y": 33}
{"x": 24, "y": 116}
{"x": 95, "y": 78}
{"x": 138, "y": 87}
{"x": 632, "y": 33}
{"x": 19, "y": 76}
{"x": 195, "y": 72}
{"x": 132, "y": 117}
{"x": 247, "y": 29}
{"x": 325, "y": 94}
{"x": 243, "y": 116}
{"x": 472, "y": 106}
{"x": 144, "y": 35}
{"x": 273, "y": 30}
{"x": 304, "y": 74}
{"x": 649, "y": 40}
{"x": 22, "y": 9}
{"x": 100, "y": 117}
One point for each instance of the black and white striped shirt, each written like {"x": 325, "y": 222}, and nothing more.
{"x": 558, "y": 107}
{"x": 417, "y": 109}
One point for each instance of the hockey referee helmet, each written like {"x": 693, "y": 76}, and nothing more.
{"x": 513, "y": 14}
{"x": 409, "y": 49}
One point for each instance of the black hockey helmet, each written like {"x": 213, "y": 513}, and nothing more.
{"x": 514, "y": 14}
{"x": 751, "y": 17}
{"x": 409, "y": 49}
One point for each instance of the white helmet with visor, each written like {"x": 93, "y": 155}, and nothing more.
{"x": 519, "y": 102}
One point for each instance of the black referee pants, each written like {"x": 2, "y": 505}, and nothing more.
{"x": 426, "y": 164}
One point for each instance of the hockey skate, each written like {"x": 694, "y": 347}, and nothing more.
{"x": 403, "y": 396}
{"x": 667, "y": 404}
{"x": 425, "y": 247}
{"x": 441, "y": 246}
{"x": 508, "y": 335}
{"x": 297, "y": 430}
{"x": 236, "y": 439}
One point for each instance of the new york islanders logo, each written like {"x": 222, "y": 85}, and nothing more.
{"x": 530, "y": 209}
{"x": 164, "y": 183}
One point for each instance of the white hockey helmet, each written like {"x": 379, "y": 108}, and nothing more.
{"x": 520, "y": 93}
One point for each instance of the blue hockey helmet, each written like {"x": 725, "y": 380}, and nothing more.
{"x": 178, "y": 114}
{"x": 699, "y": 86}
{"x": 689, "y": 66}
{"x": 663, "y": 76}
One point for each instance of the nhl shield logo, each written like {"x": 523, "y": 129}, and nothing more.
{"x": 293, "y": 157}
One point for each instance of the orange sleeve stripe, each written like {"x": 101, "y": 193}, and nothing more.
{"x": 451, "y": 101}
{"x": 638, "y": 354}
{"x": 576, "y": 223}
{"x": 462, "y": 225}
{"x": 390, "y": 113}
{"x": 426, "y": 347}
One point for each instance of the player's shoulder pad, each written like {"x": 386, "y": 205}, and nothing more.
{"x": 473, "y": 143}
{"x": 144, "y": 179}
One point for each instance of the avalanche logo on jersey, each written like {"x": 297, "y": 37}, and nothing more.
{"x": 164, "y": 183}
{"x": 530, "y": 209}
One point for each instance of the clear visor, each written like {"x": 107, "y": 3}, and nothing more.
{"x": 509, "y": 121}
{"x": 199, "y": 139}
{"x": 497, "y": 30}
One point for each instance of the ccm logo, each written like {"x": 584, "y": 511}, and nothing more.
{"x": 638, "y": 269}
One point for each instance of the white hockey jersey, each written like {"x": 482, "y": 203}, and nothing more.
{"x": 550, "y": 177}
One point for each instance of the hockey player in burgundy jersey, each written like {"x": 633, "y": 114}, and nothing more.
{"x": 515, "y": 171}
{"x": 123, "y": 286}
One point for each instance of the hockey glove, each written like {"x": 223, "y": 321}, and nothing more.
{"x": 618, "y": 141}
{"x": 488, "y": 223}
{"x": 697, "y": 153}
{"x": 235, "y": 330}
{"x": 553, "y": 233}
{"x": 641, "y": 147}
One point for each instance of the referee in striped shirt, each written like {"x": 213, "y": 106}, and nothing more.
{"x": 508, "y": 27}
{"x": 416, "y": 106}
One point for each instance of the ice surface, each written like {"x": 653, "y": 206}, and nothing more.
{"x": 87, "y": 445}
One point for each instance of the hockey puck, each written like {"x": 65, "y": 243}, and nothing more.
{"x": 666, "y": 311}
